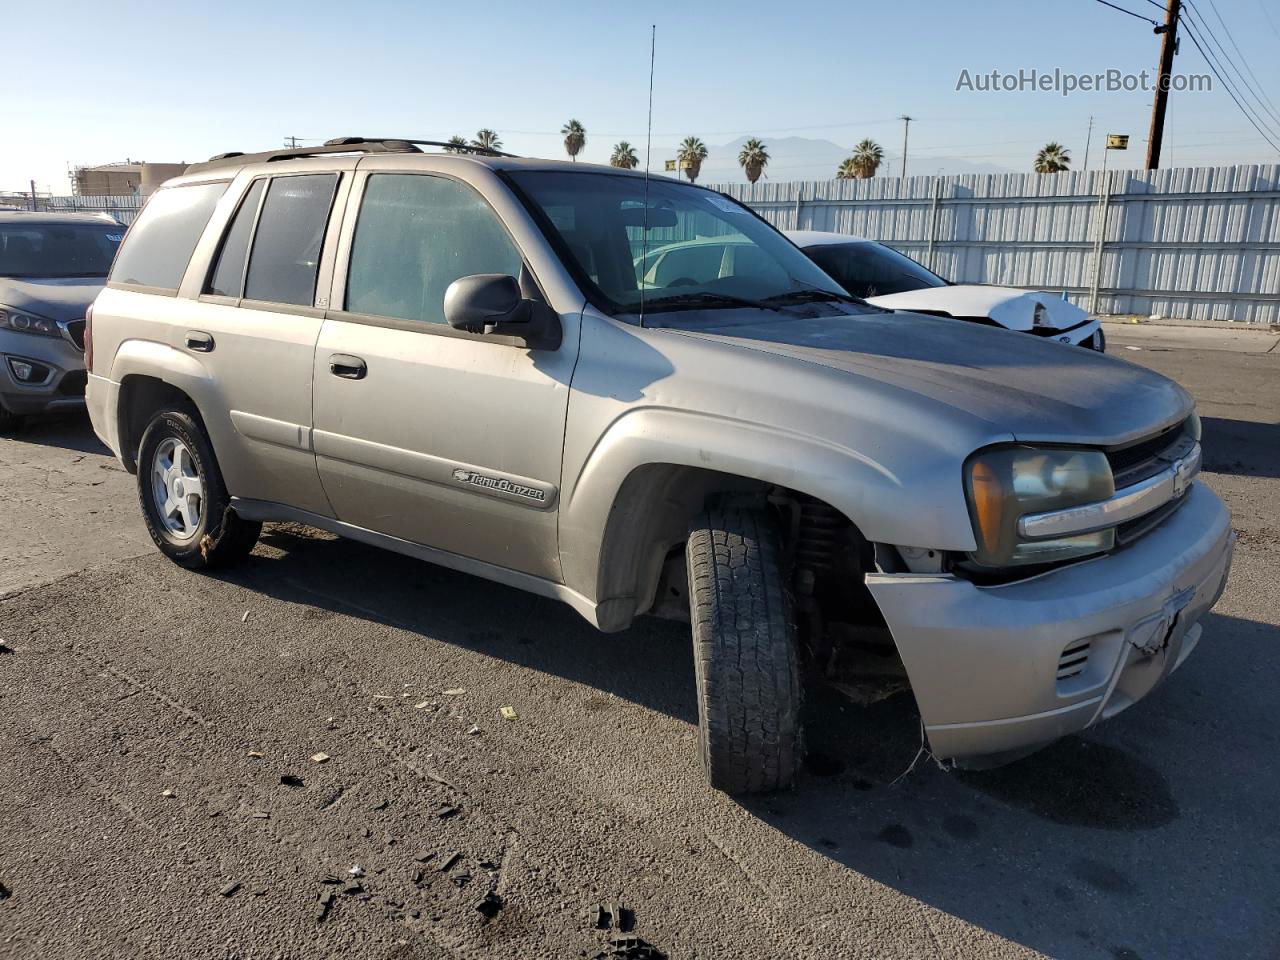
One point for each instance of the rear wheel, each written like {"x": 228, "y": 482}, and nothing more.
{"x": 744, "y": 652}
{"x": 183, "y": 500}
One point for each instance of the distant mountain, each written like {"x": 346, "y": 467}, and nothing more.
{"x": 802, "y": 158}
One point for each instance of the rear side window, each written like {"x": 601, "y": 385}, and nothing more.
{"x": 415, "y": 236}
{"x": 158, "y": 246}
{"x": 228, "y": 272}
{"x": 290, "y": 236}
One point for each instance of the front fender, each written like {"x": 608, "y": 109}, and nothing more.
{"x": 920, "y": 509}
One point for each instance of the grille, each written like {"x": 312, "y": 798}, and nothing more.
{"x": 74, "y": 330}
{"x": 1074, "y": 659}
{"x": 1147, "y": 457}
{"x": 73, "y": 384}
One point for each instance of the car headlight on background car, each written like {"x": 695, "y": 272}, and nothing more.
{"x": 1007, "y": 483}
{"x": 20, "y": 322}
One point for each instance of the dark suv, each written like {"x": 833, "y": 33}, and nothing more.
{"x": 52, "y": 265}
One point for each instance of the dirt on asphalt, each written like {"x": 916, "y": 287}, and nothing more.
{"x": 164, "y": 789}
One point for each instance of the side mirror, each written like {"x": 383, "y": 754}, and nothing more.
{"x": 483, "y": 301}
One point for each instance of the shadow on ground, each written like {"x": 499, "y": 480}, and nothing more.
{"x": 70, "y": 431}
{"x": 1089, "y": 848}
{"x": 1242, "y": 447}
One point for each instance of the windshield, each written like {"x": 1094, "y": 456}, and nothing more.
{"x": 46, "y": 250}
{"x": 702, "y": 250}
{"x": 867, "y": 269}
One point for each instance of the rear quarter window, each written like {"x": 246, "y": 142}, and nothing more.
{"x": 159, "y": 245}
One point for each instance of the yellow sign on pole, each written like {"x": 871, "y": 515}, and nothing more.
{"x": 1117, "y": 141}
{"x": 673, "y": 165}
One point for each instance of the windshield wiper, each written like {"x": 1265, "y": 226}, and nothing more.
{"x": 812, "y": 296}
{"x": 706, "y": 298}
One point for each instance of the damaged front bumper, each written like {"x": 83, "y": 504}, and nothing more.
{"x": 1003, "y": 669}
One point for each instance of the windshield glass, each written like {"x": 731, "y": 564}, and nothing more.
{"x": 43, "y": 250}
{"x": 700, "y": 251}
{"x": 868, "y": 269}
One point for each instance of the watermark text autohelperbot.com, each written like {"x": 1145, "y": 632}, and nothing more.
{"x": 1065, "y": 83}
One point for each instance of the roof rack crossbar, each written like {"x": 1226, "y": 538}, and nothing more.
{"x": 345, "y": 145}
{"x": 460, "y": 147}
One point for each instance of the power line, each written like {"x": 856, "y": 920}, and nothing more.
{"x": 1105, "y": 3}
{"x": 1227, "y": 87}
{"x": 1271, "y": 122}
{"x": 1240, "y": 53}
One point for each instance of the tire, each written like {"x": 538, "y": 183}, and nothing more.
{"x": 744, "y": 652}
{"x": 200, "y": 531}
{"x": 9, "y": 422}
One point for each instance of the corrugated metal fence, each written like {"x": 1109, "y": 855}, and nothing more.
{"x": 123, "y": 208}
{"x": 1200, "y": 243}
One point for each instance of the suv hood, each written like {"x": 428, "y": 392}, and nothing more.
{"x": 1036, "y": 390}
{"x": 1007, "y": 306}
{"x": 55, "y": 298}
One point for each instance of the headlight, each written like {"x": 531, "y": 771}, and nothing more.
{"x": 11, "y": 319}
{"x": 1005, "y": 483}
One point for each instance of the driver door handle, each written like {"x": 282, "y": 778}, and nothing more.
{"x": 200, "y": 341}
{"x": 347, "y": 367}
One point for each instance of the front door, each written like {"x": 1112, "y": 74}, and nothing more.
{"x": 426, "y": 433}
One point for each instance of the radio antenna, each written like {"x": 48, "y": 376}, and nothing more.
{"x": 648, "y": 149}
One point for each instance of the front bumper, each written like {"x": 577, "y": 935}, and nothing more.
{"x": 1087, "y": 334}
{"x": 61, "y": 387}
{"x": 997, "y": 670}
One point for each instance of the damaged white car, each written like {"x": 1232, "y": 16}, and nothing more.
{"x": 884, "y": 277}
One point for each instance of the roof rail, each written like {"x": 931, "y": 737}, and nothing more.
{"x": 459, "y": 147}
{"x": 341, "y": 145}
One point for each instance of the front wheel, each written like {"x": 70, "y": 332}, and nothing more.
{"x": 744, "y": 652}
{"x": 183, "y": 500}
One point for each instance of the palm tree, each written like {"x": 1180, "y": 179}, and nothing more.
{"x": 753, "y": 158}
{"x": 867, "y": 157}
{"x": 624, "y": 156}
{"x": 575, "y": 138}
{"x": 456, "y": 144}
{"x": 691, "y": 154}
{"x": 488, "y": 139}
{"x": 1052, "y": 158}
{"x": 848, "y": 169}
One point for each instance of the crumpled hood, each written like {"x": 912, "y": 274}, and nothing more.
{"x": 1008, "y": 306}
{"x": 56, "y": 298}
{"x": 1036, "y": 390}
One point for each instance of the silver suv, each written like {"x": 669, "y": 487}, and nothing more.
{"x": 464, "y": 358}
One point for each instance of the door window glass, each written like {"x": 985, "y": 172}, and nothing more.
{"x": 415, "y": 236}
{"x": 228, "y": 274}
{"x": 290, "y": 237}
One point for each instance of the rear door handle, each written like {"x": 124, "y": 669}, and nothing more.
{"x": 200, "y": 341}
{"x": 348, "y": 367}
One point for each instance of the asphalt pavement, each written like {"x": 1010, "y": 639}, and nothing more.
{"x": 308, "y": 757}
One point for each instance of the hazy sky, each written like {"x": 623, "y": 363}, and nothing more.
{"x": 170, "y": 82}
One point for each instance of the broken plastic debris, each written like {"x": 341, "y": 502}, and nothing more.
{"x": 261, "y": 815}
{"x": 474, "y": 731}
{"x": 169, "y": 794}
{"x": 423, "y": 705}
{"x": 454, "y": 692}
{"x": 319, "y": 758}
{"x": 447, "y": 865}
{"x": 245, "y": 618}
{"x": 255, "y": 755}
{"x": 229, "y": 889}
{"x": 446, "y": 810}
{"x": 356, "y": 870}
{"x": 508, "y": 713}
{"x": 5, "y": 892}
{"x": 289, "y": 780}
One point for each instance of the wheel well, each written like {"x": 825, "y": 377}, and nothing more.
{"x": 140, "y": 398}
{"x": 642, "y": 562}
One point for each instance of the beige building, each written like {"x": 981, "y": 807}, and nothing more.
{"x": 123, "y": 179}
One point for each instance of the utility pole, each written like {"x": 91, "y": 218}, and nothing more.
{"x": 33, "y": 195}
{"x": 291, "y": 142}
{"x": 1168, "y": 47}
{"x": 1087, "y": 140}
{"x": 906, "y": 127}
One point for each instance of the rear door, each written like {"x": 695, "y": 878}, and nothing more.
{"x": 423, "y": 432}
{"x": 255, "y": 328}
